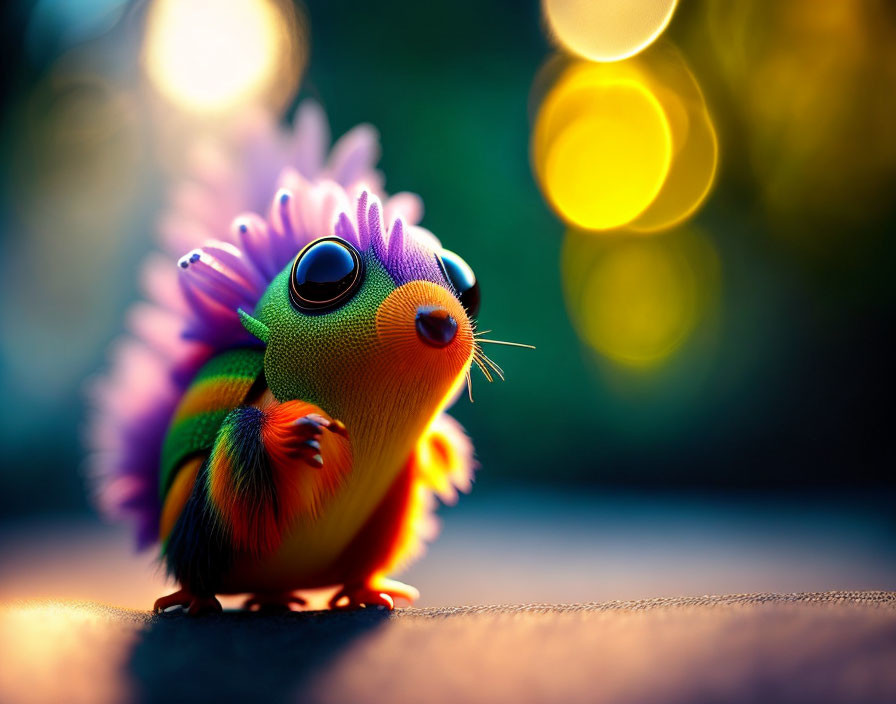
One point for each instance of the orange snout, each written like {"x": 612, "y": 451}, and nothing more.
{"x": 425, "y": 323}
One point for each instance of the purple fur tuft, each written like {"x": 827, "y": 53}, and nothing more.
{"x": 346, "y": 230}
{"x": 193, "y": 301}
{"x": 363, "y": 228}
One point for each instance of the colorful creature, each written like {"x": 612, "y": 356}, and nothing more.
{"x": 276, "y": 422}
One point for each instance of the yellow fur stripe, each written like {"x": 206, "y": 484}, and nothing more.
{"x": 177, "y": 496}
{"x": 207, "y": 395}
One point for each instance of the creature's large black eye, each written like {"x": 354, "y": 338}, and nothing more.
{"x": 325, "y": 274}
{"x": 461, "y": 276}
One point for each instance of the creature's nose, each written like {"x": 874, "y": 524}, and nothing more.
{"x": 436, "y": 326}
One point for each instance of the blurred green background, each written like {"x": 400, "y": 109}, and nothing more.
{"x": 784, "y": 382}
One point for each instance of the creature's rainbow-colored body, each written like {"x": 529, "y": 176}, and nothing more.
{"x": 205, "y": 421}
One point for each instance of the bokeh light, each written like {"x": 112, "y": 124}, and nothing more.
{"x": 811, "y": 84}
{"x": 607, "y": 30}
{"x": 602, "y": 145}
{"x": 695, "y": 145}
{"x": 208, "y": 57}
{"x": 636, "y": 300}
{"x": 77, "y": 170}
{"x": 55, "y": 25}
{"x": 46, "y": 658}
{"x": 628, "y": 144}
{"x": 77, "y": 163}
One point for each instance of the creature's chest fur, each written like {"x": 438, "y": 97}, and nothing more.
{"x": 309, "y": 554}
{"x": 386, "y": 414}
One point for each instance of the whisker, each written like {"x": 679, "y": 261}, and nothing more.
{"x": 491, "y": 363}
{"x": 487, "y": 366}
{"x": 497, "y": 368}
{"x": 509, "y": 344}
{"x": 485, "y": 372}
{"x": 484, "y": 369}
{"x": 500, "y": 375}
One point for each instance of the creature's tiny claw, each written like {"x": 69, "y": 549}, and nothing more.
{"x": 309, "y": 424}
{"x": 338, "y": 427}
{"x": 179, "y": 598}
{"x": 375, "y": 592}
{"x": 381, "y": 601}
{"x": 194, "y": 605}
{"x": 318, "y": 419}
{"x": 398, "y": 590}
{"x": 304, "y": 443}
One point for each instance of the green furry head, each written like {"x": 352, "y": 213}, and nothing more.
{"x": 308, "y": 356}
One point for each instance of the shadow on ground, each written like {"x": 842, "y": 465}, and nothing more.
{"x": 239, "y": 656}
{"x": 832, "y": 647}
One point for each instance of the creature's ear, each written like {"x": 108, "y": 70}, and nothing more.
{"x": 254, "y": 326}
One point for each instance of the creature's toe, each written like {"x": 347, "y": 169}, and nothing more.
{"x": 396, "y": 589}
{"x": 180, "y": 598}
{"x": 194, "y": 605}
{"x": 377, "y": 592}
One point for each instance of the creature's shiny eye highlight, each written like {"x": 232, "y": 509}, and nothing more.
{"x": 461, "y": 276}
{"x": 324, "y": 275}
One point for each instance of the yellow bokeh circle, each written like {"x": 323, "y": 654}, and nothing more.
{"x": 602, "y": 147}
{"x": 623, "y": 145}
{"x": 642, "y": 304}
{"x": 695, "y": 145}
{"x": 636, "y": 300}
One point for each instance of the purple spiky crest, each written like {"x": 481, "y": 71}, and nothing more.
{"x": 219, "y": 278}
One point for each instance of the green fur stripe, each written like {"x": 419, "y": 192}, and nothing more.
{"x": 221, "y": 385}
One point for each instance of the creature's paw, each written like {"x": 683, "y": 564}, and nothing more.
{"x": 358, "y": 597}
{"x": 195, "y": 605}
{"x": 378, "y": 593}
{"x": 277, "y": 601}
{"x": 304, "y": 441}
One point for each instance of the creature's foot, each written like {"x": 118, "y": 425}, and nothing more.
{"x": 397, "y": 590}
{"x": 276, "y": 601}
{"x": 194, "y": 605}
{"x": 378, "y": 592}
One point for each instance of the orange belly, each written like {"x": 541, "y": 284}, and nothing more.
{"x": 373, "y": 546}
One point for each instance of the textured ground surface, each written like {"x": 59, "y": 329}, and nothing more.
{"x": 57, "y": 644}
{"x": 827, "y": 647}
